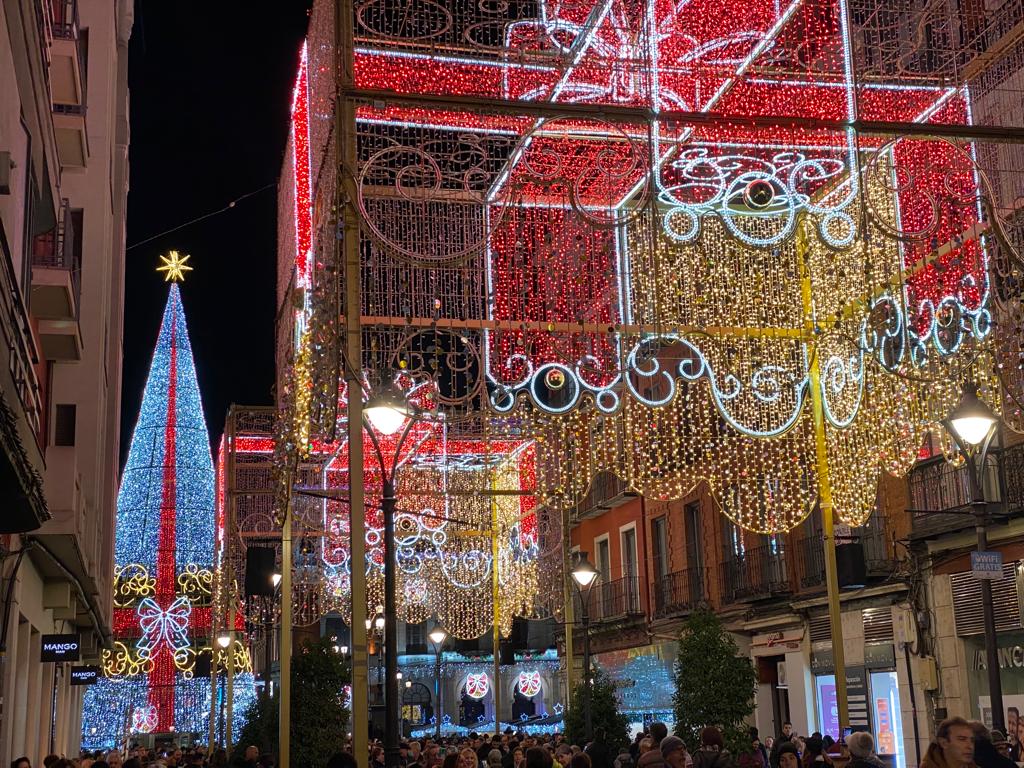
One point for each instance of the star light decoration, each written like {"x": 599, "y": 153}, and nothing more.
{"x": 174, "y": 266}
{"x": 164, "y": 564}
{"x": 657, "y": 246}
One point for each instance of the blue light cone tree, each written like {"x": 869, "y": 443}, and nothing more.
{"x": 164, "y": 561}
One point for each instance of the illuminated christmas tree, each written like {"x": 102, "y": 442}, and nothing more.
{"x": 164, "y": 562}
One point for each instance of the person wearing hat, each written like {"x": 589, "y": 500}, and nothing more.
{"x": 787, "y": 754}
{"x": 1001, "y": 743}
{"x": 814, "y": 753}
{"x": 673, "y": 752}
{"x": 862, "y": 751}
{"x": 985, "y": 753}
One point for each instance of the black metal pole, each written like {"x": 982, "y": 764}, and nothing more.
{"x": 587, "y": 718}
{"x": 913, "y": 703}
{"x": 268, "y": 639}
{"x": 437, "y": 693}
{"x": 392, "y": 756}
{"x": 975, "y": 472}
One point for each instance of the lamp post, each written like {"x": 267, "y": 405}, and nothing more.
{"x": 268, "y": 634}
{"x": 972, "y": 425}
{"x": 387, "y": 411}
{"x": 584, "y": 575}
{"x": 223, "y": 642}
{"x": 437, "y": 637}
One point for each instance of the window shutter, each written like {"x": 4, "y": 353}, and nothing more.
{"x": 967, "y": 608}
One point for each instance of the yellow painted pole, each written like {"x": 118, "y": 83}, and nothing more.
{"x": 568, "y": 612}
{"x": 345, "y": 132}
{"x": 285, "y": 718}
{"x": 496, "y": 691}
{"x": 824, "y": 484}
{"x": 228, "y": 735}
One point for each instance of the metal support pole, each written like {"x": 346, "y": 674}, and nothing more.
{"x": 228, "y": 730}
{"x": 587, "y": 688}
{"x": 570, "y": 615}
{"x": 268, "y": 649}
{"x": 496, "y": 602}
{"x": 976, "y": 472}
{"x": 438, "y": 709}
{"x": 211, "y": 739}
{"x": 285, "y": 718}
{"x": 392, "y": 756}
{"x": 345, "y": 133}
{"x": 824, "y": 485}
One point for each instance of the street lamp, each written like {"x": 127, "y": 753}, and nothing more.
{"x": 224, "y": 639}
{"x": 275, "y": 580}
{"x": 973, "y": 426}
{"x": 584, "y": 576}
{"x": 387, "y": 411}
{"x": 437, "y": 637}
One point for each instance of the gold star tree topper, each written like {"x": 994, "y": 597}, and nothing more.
{"x": 174, "y": 267}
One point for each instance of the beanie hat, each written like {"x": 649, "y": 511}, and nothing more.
{"x": 860, "y": 744}
{"x": 671, "y": 744}
{"x": 786, "y": 747}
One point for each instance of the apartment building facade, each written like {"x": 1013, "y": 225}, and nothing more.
{"x": 63, "y": 190}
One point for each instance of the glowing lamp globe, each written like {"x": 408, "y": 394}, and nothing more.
{"x": 224, "y": 640}
{"x": 584, "y": 573}
{"x": 972, "y": 420}
{"x": 437, "y": 635}
{"x": 275, "y": 579}
{"x": 387, "y": 409}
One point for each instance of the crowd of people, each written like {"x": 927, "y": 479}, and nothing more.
{"x": 958, "y": 743}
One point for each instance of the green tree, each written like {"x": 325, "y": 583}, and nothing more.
{"x": 604, "y": 712}
{"x": 714, "y": 684}
{"x": 319, "y": 719}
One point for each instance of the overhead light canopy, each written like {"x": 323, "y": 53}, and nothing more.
{"x": 437, "y": 635}
{"x": 972, "y": 420}
{"x": 386, "y": 409}
{"x": 583, "y": 573}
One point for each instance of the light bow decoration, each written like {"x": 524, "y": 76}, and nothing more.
{"x": 529, "y": 683}
{"x": 478, "y": 685}
{"x": 164, "y": 555}
{"x": 720, "y": 242}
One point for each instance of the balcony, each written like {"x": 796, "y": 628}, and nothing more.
{"x": 617, "y": 599}
{"x": 756, "y": 574}
{"x": 606, "y": 492}
{"x": 878, "y": 556}
{"x": 67, "y": 55}
{"x": 56, "y": 289}
{"x": 679, "y": 593}
{"x": 940, "y": 493}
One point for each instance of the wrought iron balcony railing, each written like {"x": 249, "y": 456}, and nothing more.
{"x": 756, "y": 573}
{"x": 679, "y": 592}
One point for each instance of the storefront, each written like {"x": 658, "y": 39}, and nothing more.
{"x": 1011, "y": 674}
{"x": 872, "y": 692}
{"x": 646, "y": 677}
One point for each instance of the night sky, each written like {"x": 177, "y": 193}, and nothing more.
{"x": 210, "y": 95}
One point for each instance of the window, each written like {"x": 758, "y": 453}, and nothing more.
{"x": 659, "y": 539}
{"x": 631, "y": 588}
{"x": 414, "y": 642}
{"x": 64, "y": 424}
{"x": 629, "y": 566}
{"x": 603, "y": 559}
{"x": 732, "y": 539}
{"x": 694, "y": 554}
